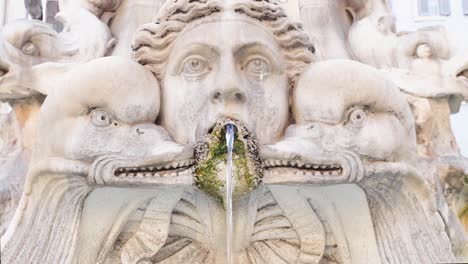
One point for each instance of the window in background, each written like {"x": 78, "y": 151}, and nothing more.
{"x": 390, "y": 5}
{"x": 465, "y": 7}
{"x": 434, "y": 7}
{"x": 428, "y": 7}
{"x": 34, "y": 8}
{"x": 52, "y": 9}
{"x": 444, "y": 7}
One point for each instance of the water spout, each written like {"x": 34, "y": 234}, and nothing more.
{"x": 229, "y": 190}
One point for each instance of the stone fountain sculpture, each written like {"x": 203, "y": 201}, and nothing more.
{"x": 109, "y": 123}
{"x": 349, "y": 137}
{"x": 429, "y": 67}
{"x": 32, "y": 56}
{"x": 134, "y": 166}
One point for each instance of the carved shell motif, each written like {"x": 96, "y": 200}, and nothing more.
{"x": 285, "y": 231}
{"x": 280, "y": 226}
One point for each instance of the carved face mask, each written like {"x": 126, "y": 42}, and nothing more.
{"x": 236, "y": 72}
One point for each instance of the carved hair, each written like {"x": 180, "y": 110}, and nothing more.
{"x": 153, "y": 42}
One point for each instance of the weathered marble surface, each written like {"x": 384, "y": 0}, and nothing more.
{"x": 429, "y": 66}
{"x": 112, "y": 126}
{"x": 336, "y": 161}
{"x": 361, "y": 130}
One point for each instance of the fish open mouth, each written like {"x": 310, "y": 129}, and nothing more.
{"x": 173, "y": 169}
{"x": 3, "y": 70}
{"x": 463, "y": 75}
{"x": 305, "y": 168}
{"x": 286, "y": 166}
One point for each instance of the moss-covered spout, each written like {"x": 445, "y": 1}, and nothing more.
{"x": 211, "y": 157}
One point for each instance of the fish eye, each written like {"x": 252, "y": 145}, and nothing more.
{"x": 101, "y": 118}
{"x": 463, "y": 74}
{"x": 29, "y": 48}
{"x": 357, "y": 116}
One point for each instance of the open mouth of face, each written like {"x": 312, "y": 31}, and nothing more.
{"x": 304, "y": 168}
{"x": 228, "y": 146}
{"x": 177, "y": 168}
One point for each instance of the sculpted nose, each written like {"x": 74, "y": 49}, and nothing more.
{"x": 228, "y": 88}
{"x": 228, "y": 95}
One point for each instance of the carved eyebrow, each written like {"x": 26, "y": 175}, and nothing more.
{"x": 243, "y": 50}
{"x": 199, "y": 48}
{"x": 89, "y": 109}
{"x": 370, "y": 109}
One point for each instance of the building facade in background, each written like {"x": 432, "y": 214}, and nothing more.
{"x": 453, "y": 14}
{"x": 414, "y": 14}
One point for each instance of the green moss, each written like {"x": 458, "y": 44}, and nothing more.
{"x": 243, "y": 175}
{"x": 208, "y": 180}
{"x": 463, "y": 212}
{"x": 207, "y": 172}
{"x": 238, "y": 147}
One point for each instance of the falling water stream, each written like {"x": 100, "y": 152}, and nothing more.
{"x": 229, "y": 189}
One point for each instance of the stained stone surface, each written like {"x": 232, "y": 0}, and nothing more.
{"x": 113, "y": 147}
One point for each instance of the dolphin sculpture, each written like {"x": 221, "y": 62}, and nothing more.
{"x": 354, "y": 126}
{"x": 97, "y": 142}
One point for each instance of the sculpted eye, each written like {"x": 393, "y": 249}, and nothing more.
{"x": 30, "y": 48}
{"x": 258, "y": 67}
{"x": 357, "y": 116}
{"x": 101, "y": 118}
{"x": 194, "y": 67}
